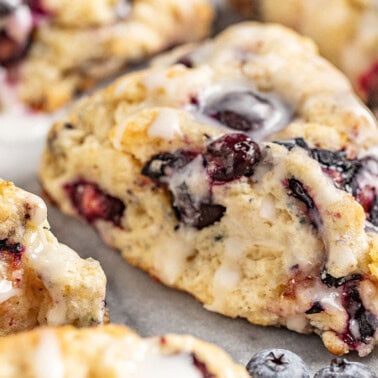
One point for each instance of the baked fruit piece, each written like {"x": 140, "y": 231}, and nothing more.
{"x": 51, "y": 50}
{"x": 109, "y": 352}
{"x": 345, "y": 30}
{"x": 170, "y": 166}
{"x": 42, "y": 281}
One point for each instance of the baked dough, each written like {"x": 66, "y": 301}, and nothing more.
{"x": 345, "y": 30}
{"x": 112, "y": 351}
{"x": 162, "y": 164}
{"x": 42, "y": 281}
{"x": 52, "y": 50}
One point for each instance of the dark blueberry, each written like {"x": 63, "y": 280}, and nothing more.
{"x": 358, "y": 314}
{"x": 15, "y": 248}
{"x": 369, "y": 85}
{"x": 165, "y": 164}
{"x": 298, "y": 191}
{"x": 10, "y": 50}
{"x": 248, "y": 111}
{"x": 342, "y": 368}
{"x": 93, "y": 204}
{"x": 291, "y": 143}
{"x": 186, "y": 60}
{"x": 373, "y": 211}
{"x": 315, "y": 308}
{"x": 277, "y": 363}
{"x": 198, "y": 215}
{"x": 231, "y": 156}
{"x": 201, "y": 366}
{"x": 363, "y": 187}
{"x": 331, "y": 281}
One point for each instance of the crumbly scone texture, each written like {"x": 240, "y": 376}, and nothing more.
{"x": 271, "y": 59}
{"x": 346, "y": 33}
{"x": 42, "y": 281}
{"x": 112, "y": 351}
{"x": 81, "y": 43}
{"x": 146, "y": 164}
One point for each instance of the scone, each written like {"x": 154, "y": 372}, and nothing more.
{"x": 51, "y": 50}
{"x": 285, "y": 75}
{"x": 172, "y": 167}
{"x": 111, "y": 351}
{"x": 345, "y": 30}
{"x": 42, "y": 281}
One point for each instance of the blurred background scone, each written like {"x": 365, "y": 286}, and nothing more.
{"x": 111, "y": 351}
{"x": 52, "y": 50}
{"x": 346, "y": 32}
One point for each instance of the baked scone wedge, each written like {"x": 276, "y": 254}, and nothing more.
{"x": 111, "y": 351}
{"x": 279, "y": 233}
{"x": 273, "y": 71}
{"x": 345, "y": 30}
{"x": 51, "y": 50}
{"x": 42, "y": 281}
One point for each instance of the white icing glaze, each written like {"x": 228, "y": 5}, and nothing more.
{"x": 166, "y": 124}
{"x": 138, "y": 358}
{"x": 229, "y": 274}
{"x": 195, "y": 178}
{"x": 48, "y": 361}
{"x": 19, "y": 24}
{"x": 330, "y": 298}
{"x": 297, "y": 323}
{"x": 7, "y": 291}
{"x": 274, "y": 121}
{"x": 54, "y": 263}
{"x": 172, "y": 87}
{"x": 268, "y": 209}
{"x": 38, "y": 209}
{"x": 170, "y": 256}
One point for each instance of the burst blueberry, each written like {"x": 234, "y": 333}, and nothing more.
{"x": 231, "y": 156}
{"x": 94, "y": 204}
{"x": 244, "y": 110}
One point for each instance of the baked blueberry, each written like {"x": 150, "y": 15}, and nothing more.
{"x": 15, "y": 248}
{"x": 231, "y": 156}
{"x": 194, "y": 212}
{"x": 277, "y": 363}
{"x": 7, "y": 7}
{"x": 254, "y": 113}
{"x": 369, "y": 86}
{"x": 342, "y": 368}
{"x": 165, "y": 164}
{"x": 201, "y": 366}
{"x": 362, "y": 323}
{"x": 93, "y": 204}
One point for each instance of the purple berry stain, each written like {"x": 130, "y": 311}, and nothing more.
{"x": 93, "y": 204}
{"x": 231, "y": 156}
{"x": 227, "y": 158}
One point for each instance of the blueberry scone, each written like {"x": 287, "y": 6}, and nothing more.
{"x": 249, "y": 182}
{"x": 275, "y": 72}
{"x": 111, "y": 351}
{"x": 345, "y": 30}
{"x": 42, "y": 281}
{"x": 51, "y": 50}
